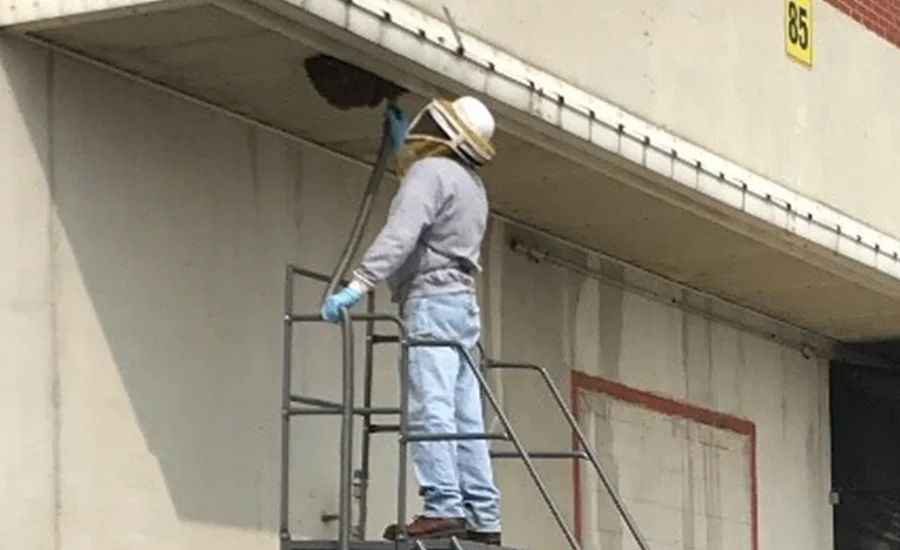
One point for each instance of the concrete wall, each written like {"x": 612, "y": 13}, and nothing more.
{"x": 141, "y": 308}
{"x": 694, "y": 480}
{"x": 716, "y": 73}
{"x": 29, "y": 353}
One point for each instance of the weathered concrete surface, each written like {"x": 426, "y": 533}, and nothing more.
{"x": 28, "y": 351}
{"x": 562, "y": 319}
{"x": 716, "y": 73}
{"x": 693, "y": 479}
{"x": 171, "y": 229}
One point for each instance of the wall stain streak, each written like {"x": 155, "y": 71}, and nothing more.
{"x": 54, "y": 293}
{"x": 687, "y": 497}
{"x": 253, "y": 162}
{"x": 297, "y": 194}
{"x": 713, "y": 495}
{"x": 612, "y": 299}
{"x": 704, "y": 421}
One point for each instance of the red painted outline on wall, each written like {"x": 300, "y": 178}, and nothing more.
{"x": 671, "y": 407}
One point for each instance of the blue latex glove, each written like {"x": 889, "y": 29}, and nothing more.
{"x": 396, "y": 121}
{"x": 344, "y": 298}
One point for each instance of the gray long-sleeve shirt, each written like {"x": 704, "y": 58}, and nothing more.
{"x": 431, "y": 242}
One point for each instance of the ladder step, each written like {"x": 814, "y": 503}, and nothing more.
{"x": 315, "y": 401}
{"x": 376, "y": 410}
{"x": 382, "y": 428}
{"x": 540, "y": 454}
{"x": 333, "y": 407}
{"x": 456, "y": 437}
{"x": 300, "y": 411}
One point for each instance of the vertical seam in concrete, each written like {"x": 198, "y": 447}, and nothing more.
{"x": 53, "y": 282}
{"x": 825, "y": 453}
{"x": 297, "y": 189}
{"x": 252, "y": 136}
{"x": 686, "y": 354}
{"x": 784, "y": 363}
{"x": 710, "y": 369}
{"x": 577, "y": 520}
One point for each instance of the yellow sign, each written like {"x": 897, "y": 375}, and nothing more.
{"x": 798, "y": 30}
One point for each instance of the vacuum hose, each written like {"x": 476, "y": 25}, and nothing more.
{"x": 365, "y": 208}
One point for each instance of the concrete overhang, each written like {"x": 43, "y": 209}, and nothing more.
{"x": 569, "y": 163}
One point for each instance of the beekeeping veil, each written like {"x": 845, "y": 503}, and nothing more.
{"x": 462, "y": 129}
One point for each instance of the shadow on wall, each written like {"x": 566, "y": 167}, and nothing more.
{"x": 174, "y": 228}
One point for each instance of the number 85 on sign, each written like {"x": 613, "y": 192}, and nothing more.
{"x": 798, "y": 30}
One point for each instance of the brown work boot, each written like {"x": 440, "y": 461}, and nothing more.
{"x": 429, "y": 528}
{"x": 491, "y": 539}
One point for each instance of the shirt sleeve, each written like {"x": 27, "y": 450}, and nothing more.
{"x": 412, "y": 210}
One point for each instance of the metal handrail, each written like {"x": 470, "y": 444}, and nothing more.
{"x": 507, "y": 426}
{"x": 348, "y": 410}
{"x": 585, "y": 447}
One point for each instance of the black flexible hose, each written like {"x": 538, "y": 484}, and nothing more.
{"x": 365, "y": 208}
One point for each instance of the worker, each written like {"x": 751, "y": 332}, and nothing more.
{"x": 428, "y": 252}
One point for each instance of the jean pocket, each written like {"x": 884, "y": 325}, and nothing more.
{"x": 417, "y": 319}
{"x": 474, "y": 309}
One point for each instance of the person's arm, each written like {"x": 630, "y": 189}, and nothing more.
{"x": 412, "y": 210}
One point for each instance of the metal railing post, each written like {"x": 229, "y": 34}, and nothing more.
{"x": 283, "y": 529}
{"x": 367, "y": 419}
{"x": 346, "y": 460}
{"x": 346, "y": 408}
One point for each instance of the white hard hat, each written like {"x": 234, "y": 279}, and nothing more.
{"x": 467, "y": 124}
{"x": 477, "y": 115}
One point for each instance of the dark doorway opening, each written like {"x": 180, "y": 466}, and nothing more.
{"x": 865, "y": 449}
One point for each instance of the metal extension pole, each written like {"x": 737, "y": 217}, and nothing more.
{"x": 365, "y": 208}
{"x": 283, "y": 531}
{"x": 346, "y": 461}
{"x": 367, "y": 418}
{"x": 588, "y": 451}
{"x": 529, "y": 465}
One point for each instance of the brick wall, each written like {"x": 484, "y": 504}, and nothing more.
{"x": 880, "y": 16}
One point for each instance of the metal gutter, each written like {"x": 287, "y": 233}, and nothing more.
{"x": 564, "y": 119}
{"x": 605, "y": 133}
{"x": 34, "y": 15}
{"x": 765, "y": 326}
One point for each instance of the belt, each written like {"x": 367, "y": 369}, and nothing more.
{"x": 465, "y": 267}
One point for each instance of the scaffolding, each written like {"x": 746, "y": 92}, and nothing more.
{"x": 353, "y": 536}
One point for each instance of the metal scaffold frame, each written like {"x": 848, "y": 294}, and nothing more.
{"x": 294, "y": 405}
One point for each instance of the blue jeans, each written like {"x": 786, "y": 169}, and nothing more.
{"x": 455, "y": 477}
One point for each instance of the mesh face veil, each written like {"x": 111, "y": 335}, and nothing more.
{"x": 462, "y": 128}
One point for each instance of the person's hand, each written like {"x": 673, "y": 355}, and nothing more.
{"x": 344, "y": 298}
{"x": 396, "y": 121}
